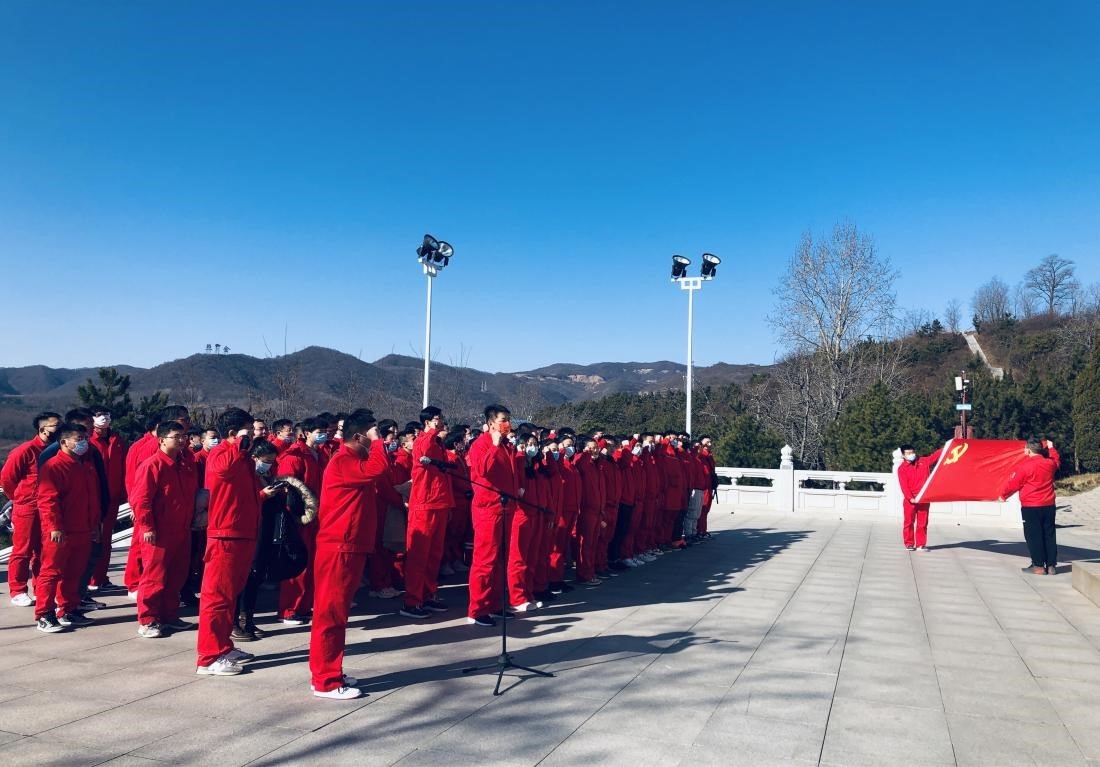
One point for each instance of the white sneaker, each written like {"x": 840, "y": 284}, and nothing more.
{"x": 526, "y": 607}
{"x": 922, "y": 548}
{"x": 221, "y": 667}
{"x": 149, "y": 631}
{"x": 238, "y": 656}
{"x": 22, "y": 600}
{"x": 649, "y": 557}
{"x": 387, "y": 593}
{"x": 132, "y": 595}
{"x": 347, "y": 681}
{"x": 460, "y": 566}
{"x": 340, "y": 693}
{"x": 446, "y": 569}
{"x": 632, "y": 562}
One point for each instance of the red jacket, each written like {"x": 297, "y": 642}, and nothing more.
{"x": 912, "y": 476}
{"x": 19, "y": 474}
{"x": 628, "y": 468}
{"x": 591, "y": 483}
{"x": 402, "y": 466}
{"x": 138, "y": 452}
{"x": 698, "y": 478}
{"x": 460, "y": 480}
{"x": 1033, "y": 478}
{"x": 303, "y": 463}
{"x": 68, "y": 495}
{"x": 612, "y": 482}
{"x": 570, "y": 488}
{"x": 708, "y": 464}
{"x": 164, "y": 497}
{"x": 674, "y": 497}
{"x": 348, "y": 514}
{"x": 492, "y": 465}
{"x": 234, "y": 492}
{"x": 431, "y": 488}
{"x": 113, "y": 449}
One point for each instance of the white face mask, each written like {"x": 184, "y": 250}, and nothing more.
{"x": 211, "y": 443}
{"x": 910, "y": 457}
{"x": 101, "y": 421}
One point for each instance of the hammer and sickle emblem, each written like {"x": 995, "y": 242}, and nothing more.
{"x": 957, "y": 453}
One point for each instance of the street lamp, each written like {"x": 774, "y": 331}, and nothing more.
{"x": 433, "y": 255}
{"x": 708, "y": 271}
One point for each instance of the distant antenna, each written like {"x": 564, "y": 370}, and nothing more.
{"x": 225, "y": 350}
{"x": 217, "y": 348}
{"x": 209, "y": 348}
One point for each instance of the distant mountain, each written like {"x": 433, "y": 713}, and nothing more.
{"x": 317, "y": 378}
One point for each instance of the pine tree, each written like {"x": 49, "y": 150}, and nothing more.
{"x": 1086, "y": 413}
{"x": 112, "y": 393}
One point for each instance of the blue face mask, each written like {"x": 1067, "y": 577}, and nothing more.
{"x": 321, "y": 439}
{"x": 81, "y": 447}
{"x": 531, "y": 451}
{"x": 391, "y": 447}
{"x": 263, "y": 468}
{"x": 556, "y": 454}
{"x": 570, "y": 451}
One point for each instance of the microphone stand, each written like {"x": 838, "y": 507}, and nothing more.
{"x": 504, "y": 659}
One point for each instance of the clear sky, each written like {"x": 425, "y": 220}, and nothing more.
{"x": 177, "y": 174}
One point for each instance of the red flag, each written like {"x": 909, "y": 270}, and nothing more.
{"x": 972, "y": 470}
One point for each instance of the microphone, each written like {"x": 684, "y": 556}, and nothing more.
{"x": 426, "y": 461}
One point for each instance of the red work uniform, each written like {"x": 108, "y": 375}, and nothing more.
{"x": 114, "y": 450}
{"x": 138, "y": 453}
{"x": 232, "y": 526}
{"x": 69, "y": 501}
{"x": 712, "y": 484}
{"x": 566, "y": 520}
{"x": 454, "y": 547}
{"x": 347, "y": 521}
{"x": 911, "y": 477}
{"x": 588, "y": 522}
{"x": 164, "y": 503}
{"x": 491, "y": 465}
{"x": 19, "y": 478}
{"x": 381, "y": 564}
{"x": 307, "y": 465}
{"x": 430, "y": 504}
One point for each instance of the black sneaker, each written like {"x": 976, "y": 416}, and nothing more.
{"x": 87, "y": 604}
{"x": 506, "y": 615}
{"x": 74, "y": 618}
{"x": 565, "y": 587}
{"x": 106, "y": 588}
{"x": 544, "y": 596}
{"x": 48, "y": 624}
{"x": 557, "y": 588}
{"x": 414, "y": 612}
{"x": 435, "y": 606}
{"x": 178, "y": 625}
{"x": 485, "y": 621}
{"x": 618, "y": 565}
{"x": 239, "y": 634}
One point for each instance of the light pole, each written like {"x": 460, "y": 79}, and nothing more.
{"x": 433, "y": 255}
{"x": 708, "y": 272}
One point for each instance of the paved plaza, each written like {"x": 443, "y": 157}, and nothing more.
{"x": 785, "y": 640}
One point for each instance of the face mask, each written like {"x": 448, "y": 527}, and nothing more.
{"x": 338, "y": 435}
{"x": 263, "y": 468}
{"x": 675, "y": 443}
{"x": 531, "y": 451}
{"x": 505, "y": 427}
{"x": 101, "y": 421}
{"x": 637, "y": 450}
{"x": 556, "y": 454}
{"x": 81, "y": 447}
{"x": 911, "y": 458}
{"x": 391, "y": 447}
{"x": 570, "y": 451}
{"x": 287, "y": 440}
{"x": 212, "y": 443}
{"x": 321, "y": 439}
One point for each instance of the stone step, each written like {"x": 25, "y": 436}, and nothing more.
{"x": 1086, "y": 579}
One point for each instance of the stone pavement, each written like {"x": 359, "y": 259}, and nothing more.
{"x": 786, "y": 640}
{"x": 1081, "y": 510}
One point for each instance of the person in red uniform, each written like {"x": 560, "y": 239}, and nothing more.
{"x": 590, "y": 518}
{"x": 620, "y": 553}
{"x": 347, "y": 518}
{"x": 139, "y": 452}
{"x": 674, "y": 499}
{"x": 69, "y": 506}
{"x": 707, "y": 457}
{"x": 565, "y": 523}
{"x": 1033, "y": 479}
{"x": 381, "y": 563}
{"x": 430, "y": 504}
{"x": 454, "y": 546}
{"x": 282, "y": 435}
{"x": 522, "y": 526}
{"x": 548, "y": 482}
{"x": 611, "y": 477}
{"x": 163, "y": 504}
{"x": 19, "y": 478}
{"x": 912, "y": 475}
{"x": 233, "y": 522}
{"x": 305, "y": 461}
{"x": 112, "y": 447}
{"x": 492, "y": 472}
{"x": 698, "y": 483}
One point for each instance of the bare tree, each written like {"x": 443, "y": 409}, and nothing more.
{"x": 1052, "y": 282}
{"x": 952, "y": 315}
{"x": 991, "y": 302}
{"x": 1023, "y": 301}
{"x": 912, "y": 320}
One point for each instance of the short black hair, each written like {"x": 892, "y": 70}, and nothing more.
{"x": 164, "y": 428}
{"x": 907, "y": 447}
{"x": 78, "y": 414}
{"x": 358, "y": 422}
{"x": 314, "y": 424}
{"x": 428, "y": 413}
{"x": 101, "y": 410}
{"x": 386, "y": 425}
{"x": 70, "y": 429}
{"x": 174, "y": 413}
{"x": 281, "y": 424}
{"x": 492, "y": 411}
{"x": 262, "y": 447}
{"x": 151, "y": 421}
{"x": 453, "y": 438}
{"x": 413, "y": 426}
{"x": 44, "y": 416}
{"x": 233, "y": 420}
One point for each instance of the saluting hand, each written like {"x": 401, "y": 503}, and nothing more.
{"x": 56, "y": 536}
{"x": 149, "y": 537}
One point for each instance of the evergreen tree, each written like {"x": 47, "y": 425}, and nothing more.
{"x": 1086, "y": 413}
{"x": 873, "y": 425}
{"x": 113, "y": 393}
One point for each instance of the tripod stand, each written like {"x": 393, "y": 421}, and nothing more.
{"x": 504, "y": 659}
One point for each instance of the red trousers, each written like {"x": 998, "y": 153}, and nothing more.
{"x": 916, "y": 516}
{"x": 296, "y": 594}
{"x": 131, "y": 577}
{"x": 58, "y": 584}
{"x": 540, "y": 572}
{"x": 604, "y": 536}
{"x": 561, "y": 549}
{"x": 26, "y": 548}
{"x": 167, "y": 564}
{"x": 520, "y": 548}
{"x": 338, "y": 575}
{"x": 708, "y": 500}
{"x": 486, "y": 562}
{"x": 454, "y": 548}
{"x": 423, "y": 553}
{"x": 381, "y": 563}
{"x": 228, "y": 561}
{"x": 106, "y": 530}
{"x": 588, "y": 531}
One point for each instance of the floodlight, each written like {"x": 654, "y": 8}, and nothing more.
{"x": 429, "y": 248}
{"x": 710, "y": 265}
{"x": 444, "y": 253}
{"x": 679, "y": 266}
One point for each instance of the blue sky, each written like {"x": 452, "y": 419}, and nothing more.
{"x": 191, "y": 173}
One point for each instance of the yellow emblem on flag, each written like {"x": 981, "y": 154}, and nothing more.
{"x": 956, "y": 453}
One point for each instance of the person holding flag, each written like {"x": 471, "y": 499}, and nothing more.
{"x": 912, "y": 474}
{"x": 1033, "y": 479}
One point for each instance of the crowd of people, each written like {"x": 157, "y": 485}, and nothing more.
{"x": 325, "y": 505}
